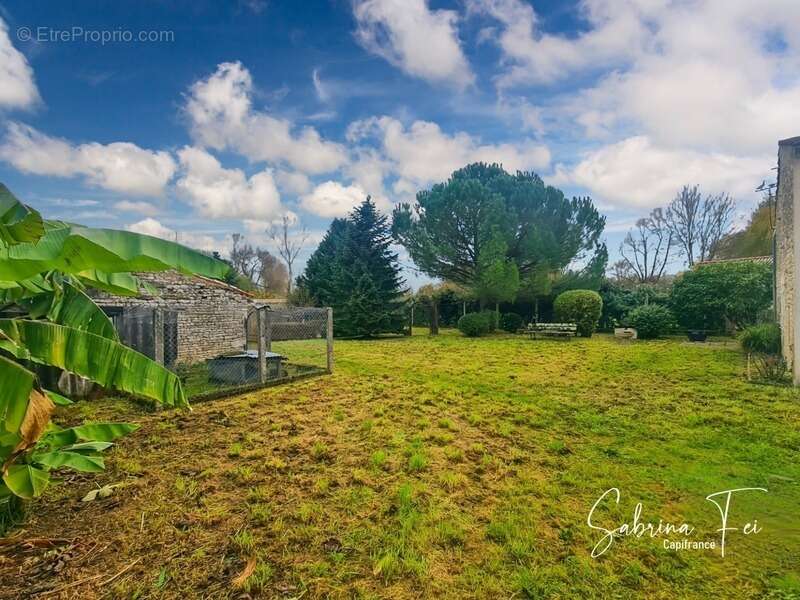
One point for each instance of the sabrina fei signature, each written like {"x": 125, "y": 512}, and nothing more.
{"x": 640, "y": 528}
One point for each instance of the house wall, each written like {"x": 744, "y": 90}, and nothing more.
{"x": 210, "y": 316}
{"x": 787, "y": 242}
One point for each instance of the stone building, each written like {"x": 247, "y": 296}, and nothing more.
{"x": 787, "y": 246}
{"x": 200, "y": 318}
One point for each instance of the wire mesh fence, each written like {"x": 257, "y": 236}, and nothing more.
{"x": 273, "y": 346}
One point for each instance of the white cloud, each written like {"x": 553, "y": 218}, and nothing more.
{"x": 421, "y": 42}
{"x": 332, "y": 199}
{"x": 17, "y": 86}
{"x": 617, "y": 28}
{"x": 120, "y": 166}
{"x": 217, "y": 192}
{"x": 198, "y": 241}
{"x": 221, "y": 116}
{"x": 368, "y": 170}
{"x": 423, "y": 153}
{"x": 319, "y": 87}
{"x": 293, "y": 181}
{"x": 659, "y": 72}
{"x": 639, "y": 174}
{"x": 143, "y": 208}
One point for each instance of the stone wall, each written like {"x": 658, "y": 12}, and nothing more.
{"x": 211, "y": 314}
{"x": 787, "y": 240}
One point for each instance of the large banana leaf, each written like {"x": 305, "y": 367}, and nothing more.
{"x": 119, "y": 284}
{"x": 16, "y": 389}
{"x": 18, "y": 223}
{"x": 26, "y": 481}
{"x": 14, "y": 291}
{"x": 90, "y": 463}
{"x": 73, "y": 308}
{"x": 102, "y": 360}
{"x": 90, "y": 433}
{"x": 75, "y": 249}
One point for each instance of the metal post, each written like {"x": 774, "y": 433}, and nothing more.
{"x": 268, "y": 329}
{"x": 329, "y": 336}
{"x": 262, "y": 353}
{"x": 158, "y": 336}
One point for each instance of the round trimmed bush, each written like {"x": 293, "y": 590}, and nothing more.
{"x": 582, "y": 307}
{"x": 761, "y": 339}
{"x": 473, "y": 324}
{"x": 510, "y": 322}
{"x": 650, "y": 321}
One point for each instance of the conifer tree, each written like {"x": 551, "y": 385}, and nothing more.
{"x": 355, "y": 271}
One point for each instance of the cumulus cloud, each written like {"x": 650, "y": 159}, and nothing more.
{"x": 657, "y": 71}
{"x": 217, "y": 192}
{"x": 293, "y": 181}
{"x": 636, "y": 173}
{"x": 423, "y": 153}
{"x": 120, "y": 166}
{"x": 221, "y": 116}
{"x": 616, "y": 29}
{"x": 422, "y": 42}
{"x": 368, "y": 169}
{"x": 17, "y": 86}
{"x": 198, "y": 241}
{"x": 332, "y": 199}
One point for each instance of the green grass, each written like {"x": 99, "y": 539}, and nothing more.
{"x": 447, "y": 468}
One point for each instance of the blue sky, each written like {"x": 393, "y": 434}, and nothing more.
{"x": 240, "y": 112}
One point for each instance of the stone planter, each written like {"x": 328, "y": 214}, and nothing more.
{"x": 625, "y": 333}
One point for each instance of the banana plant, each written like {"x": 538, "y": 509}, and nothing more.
{"x": 45, "y": 269}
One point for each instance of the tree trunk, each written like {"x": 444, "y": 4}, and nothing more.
{"x": 496, "y": 315}
{"x": 434, "y": 317}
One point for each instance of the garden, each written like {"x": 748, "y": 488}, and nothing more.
{"x": 444, "y": 467}
{"x": 471, "y": 457}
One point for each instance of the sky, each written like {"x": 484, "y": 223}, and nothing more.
{"x": 196, "y": 120}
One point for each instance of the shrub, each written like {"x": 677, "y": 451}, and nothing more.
{"x": 619, "y": 300}
{"x": 473, "y": 324}
{"x": 761, "y": 339}
{"x": 490, "y": 318}
{"x": 582, "y": 307}
{"x": 510, "y": 322}
{"x": 651, "y": 321}
{"x": 708, "y": 296}
{"x": 763, "y": 342}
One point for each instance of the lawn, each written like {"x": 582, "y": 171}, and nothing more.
{"x": 437, "y": 468}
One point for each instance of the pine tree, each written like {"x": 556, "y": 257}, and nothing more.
{"x": 355, "y": 271}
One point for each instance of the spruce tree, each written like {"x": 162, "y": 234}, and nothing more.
{"x": 356, "y": 273}
{"x": 318, "y": 281}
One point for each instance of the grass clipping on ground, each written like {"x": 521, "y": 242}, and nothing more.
{"x": 434, "y": 467}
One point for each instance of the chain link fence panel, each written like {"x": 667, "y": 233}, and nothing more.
{"x": 280, "y": 345}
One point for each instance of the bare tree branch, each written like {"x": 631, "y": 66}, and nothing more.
{"x": 646, "y": 249}
{"x": 698, "y": 224}
{"x": 288, "y": 246}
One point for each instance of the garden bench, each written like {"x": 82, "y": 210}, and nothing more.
{"x": 564, "y": 330}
